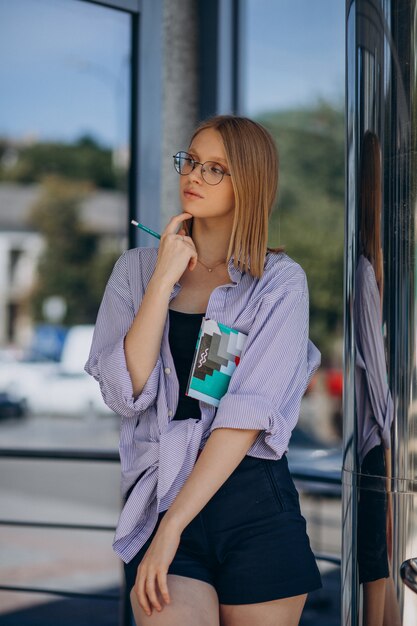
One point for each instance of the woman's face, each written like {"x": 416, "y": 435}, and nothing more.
{"x": 198, "y": 197}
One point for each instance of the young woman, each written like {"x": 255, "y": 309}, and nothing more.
{"x": 211, "y": 531}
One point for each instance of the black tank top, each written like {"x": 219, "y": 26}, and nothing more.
{"x": 183, "y": 334}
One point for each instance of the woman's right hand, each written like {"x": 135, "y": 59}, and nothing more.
{"x": 176, "y": 252}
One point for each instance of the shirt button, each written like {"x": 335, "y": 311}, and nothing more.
{"x": 170, "y": 413}
{"x": 167, "y": 370}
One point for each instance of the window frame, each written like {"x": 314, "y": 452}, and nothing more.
{"x": 145, "y": 119}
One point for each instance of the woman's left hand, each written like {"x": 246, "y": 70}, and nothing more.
{"x": 153, "y": 569}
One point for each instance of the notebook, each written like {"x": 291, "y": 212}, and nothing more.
{"x": 216, "y": 357}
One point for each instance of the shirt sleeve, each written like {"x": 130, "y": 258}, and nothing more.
{"x": 370, "y": 339}
{"x": 107, "y": 361}
{"x": 276, "y": 366}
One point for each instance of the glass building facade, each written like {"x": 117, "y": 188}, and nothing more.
{"x": 96, "y": 97}
{"x": 379, "y": 468}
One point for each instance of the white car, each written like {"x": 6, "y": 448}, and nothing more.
{"x": 62, "y": 388}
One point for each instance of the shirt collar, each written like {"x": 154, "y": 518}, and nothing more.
{"x": 234, "y": 272}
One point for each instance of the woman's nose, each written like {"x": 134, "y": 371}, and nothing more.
{"x": 196, "y": 174}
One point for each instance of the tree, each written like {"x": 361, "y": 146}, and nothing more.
{"x": 309, "y": 217}
{"x": 72, "y": 265}
{"x": 83, "y": 160}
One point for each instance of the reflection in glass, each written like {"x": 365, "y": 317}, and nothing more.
{"x": 409, "y": 573}
{"x": 294, "y": 85}
{"x": 379, "y": 501}
{"x": 374, "y": 406}
{"x": 64, "y": 158}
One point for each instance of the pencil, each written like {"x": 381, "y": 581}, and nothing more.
{"x": 146, "y": 229}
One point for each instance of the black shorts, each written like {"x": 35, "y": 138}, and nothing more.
{"x": 249, "y": 541}
{"x": 372, "y": 518}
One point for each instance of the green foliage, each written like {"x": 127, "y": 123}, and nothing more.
{"x": 309, "y": 217}
{"x": 83, "y": 160}
{"x": 71, "y": 265}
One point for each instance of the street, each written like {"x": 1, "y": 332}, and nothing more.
{"x": 88, "y": 493}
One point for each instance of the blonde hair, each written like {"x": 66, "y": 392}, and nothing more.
{"x": 371, "y": 203}
{"x": 253, "y": 164}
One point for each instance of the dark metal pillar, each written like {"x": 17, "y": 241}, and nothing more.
{"x": 380, "y": 397}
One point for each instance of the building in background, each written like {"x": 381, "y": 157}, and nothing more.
{"x": 21, "y": 247}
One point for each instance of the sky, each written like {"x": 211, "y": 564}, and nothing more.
{"x": 64, "y": 70}
{"x": 294, "y": 53}
{"x": 64, "y": 64}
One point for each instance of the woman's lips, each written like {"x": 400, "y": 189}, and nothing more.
{"x": 191, "y": 194}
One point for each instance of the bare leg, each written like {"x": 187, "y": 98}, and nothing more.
{"x": 392, "y": 615}
{"x": 285, "y": 612}
{"x": 192, "y": 602}
{"x": 373, "y": 602}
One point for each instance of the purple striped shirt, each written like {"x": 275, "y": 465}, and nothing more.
{"x": 264, "y": 393}
{"x": 374, "y": 405}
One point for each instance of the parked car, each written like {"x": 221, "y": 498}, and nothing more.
{"x": 317, "y": 468}
{"x": 58, "y": 388}
{"x": 11, "y": 406}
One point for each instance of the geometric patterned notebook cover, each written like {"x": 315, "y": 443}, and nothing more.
{"x": 216, "y": 357}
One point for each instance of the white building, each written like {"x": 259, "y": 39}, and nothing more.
{"x": 104, "y": 212}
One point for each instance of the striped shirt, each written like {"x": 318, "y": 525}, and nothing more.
{"x": 374, "y": 405}
{"x": 264, "y": 393}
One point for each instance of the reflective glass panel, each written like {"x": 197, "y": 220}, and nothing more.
{"x": 64, "y": 157}
{"x": 294, "y": 85}
{"x": 64, "y": 160}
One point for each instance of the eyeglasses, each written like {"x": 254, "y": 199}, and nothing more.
{"x": 211, "y": 171}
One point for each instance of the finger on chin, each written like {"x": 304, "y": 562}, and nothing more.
{"x": 175, "y": 221}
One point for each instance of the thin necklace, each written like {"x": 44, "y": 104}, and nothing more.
{"x": 210, "y": 269}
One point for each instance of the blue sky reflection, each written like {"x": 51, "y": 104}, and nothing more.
{"x": 294, "y": 53}
{"x": 64, "y": 70}
{"x": 64, "y": 64}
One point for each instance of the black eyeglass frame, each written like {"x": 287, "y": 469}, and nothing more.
{"x": 194, "y": 163}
